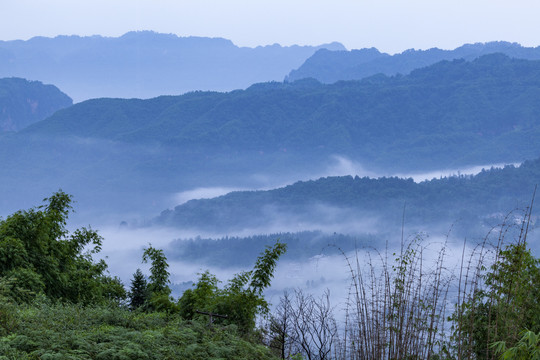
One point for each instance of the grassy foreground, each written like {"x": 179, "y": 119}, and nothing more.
{"x": 43, "y": 330}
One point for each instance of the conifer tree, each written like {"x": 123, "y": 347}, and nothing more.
{"x": 138, "y": 293}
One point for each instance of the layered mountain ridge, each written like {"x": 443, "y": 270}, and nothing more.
{"x": 458, "y": 112}
{"x": 335, "y": 201}
{"x": 136, "y": 154}
{"x": 330, "y": 66}
{"x": 145, "y": 64}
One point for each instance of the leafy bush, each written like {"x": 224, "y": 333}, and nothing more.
{"x": 241, "y": 300}
{"x": 71, "y": 331}
{"x": 37, "y": 250}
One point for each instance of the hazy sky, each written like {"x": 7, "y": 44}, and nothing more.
{"x": 389, "y": 25}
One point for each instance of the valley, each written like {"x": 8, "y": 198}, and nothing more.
{"x": 358, "y": 162}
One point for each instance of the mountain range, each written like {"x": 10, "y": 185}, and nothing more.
{"x": 448, "y": 114}
{"x": 133, "y": 155}
{"x": 330, "y": 66}
{"x": 146, "y": 64}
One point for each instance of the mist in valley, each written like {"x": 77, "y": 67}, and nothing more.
{"x": 120, "y": 199}
{"x": 403, "y": 183}
{"x": 314, "y": 261}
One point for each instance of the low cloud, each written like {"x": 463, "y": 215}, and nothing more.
{"x": 342, "y": 166}
{"x": 435, "y": 174}
{"x": 201, "y": 193}
{"x": 123, "y": 247}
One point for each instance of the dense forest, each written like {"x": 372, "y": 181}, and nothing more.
{"x": 56, "y": 301}
{"x": 451, "y": 114}
{"x": 457, "y": 112}
{"x": 474, "y": 199}
{"x": 233, "y": 251}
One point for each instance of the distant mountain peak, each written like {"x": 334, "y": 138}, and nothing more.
{"x": 331, "y": 66}
{"x": 24, "y": 102}
{"x": 146, "y": 64}
{"x": 333, "y": 46}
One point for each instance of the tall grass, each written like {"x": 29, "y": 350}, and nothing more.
{"x": 397, "y": 304}
{"x": 414, "y": 304}
{"x": 498, "y": 290}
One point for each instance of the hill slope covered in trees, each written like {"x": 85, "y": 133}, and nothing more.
{"x": 447, "y": 115}
{"x": 491, "y": 193}
{"x": 482, "y": 111}
{"x": 25, "y": 102}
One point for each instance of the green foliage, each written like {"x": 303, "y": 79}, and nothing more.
{"x": 159, "y": 276}
{"x": 263, "y": 272}
{"x": 527, "y": 348}
{"x": 39, "y": 255}
{"x": 113, "y": 290}
{"x": 69, "y": 331}
{"x": 8, "y": 322}
{"x": 138, "y": 293}
{"x": 470, "y": 198}
{"x": 159, "y": 298}
{"x": 92, "y": 321}
{"x": 507, "y": 303}
{"x": 24, "y": 284}
{"x": 202, "y": 297}
{"x": 513, "y": 285}
{"x": 12, "y": 253}
{"x": 241, "y": 300}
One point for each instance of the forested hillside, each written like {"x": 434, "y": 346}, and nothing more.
{"x": 269, "y": 180}
{"x": 331, "y": 66}
{"x": 145, "y": 64}
{"x": 446, "y": 114}
{"x": 234, "y": 251}
{"x": 492, "y": 193}
{"x": 24, "y": 102}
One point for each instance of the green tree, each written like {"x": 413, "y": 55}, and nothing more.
{"x": 159, "y": 298}
{"x": 138, "y": 293}
{"x": 527, "y": 348}
{"x": 507, "y": 304}
{"x": 241, "y": 300}
{"x": 159, "y": 276}
{"x": 41, "y": 255}
{"x": 202, "y": 297}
